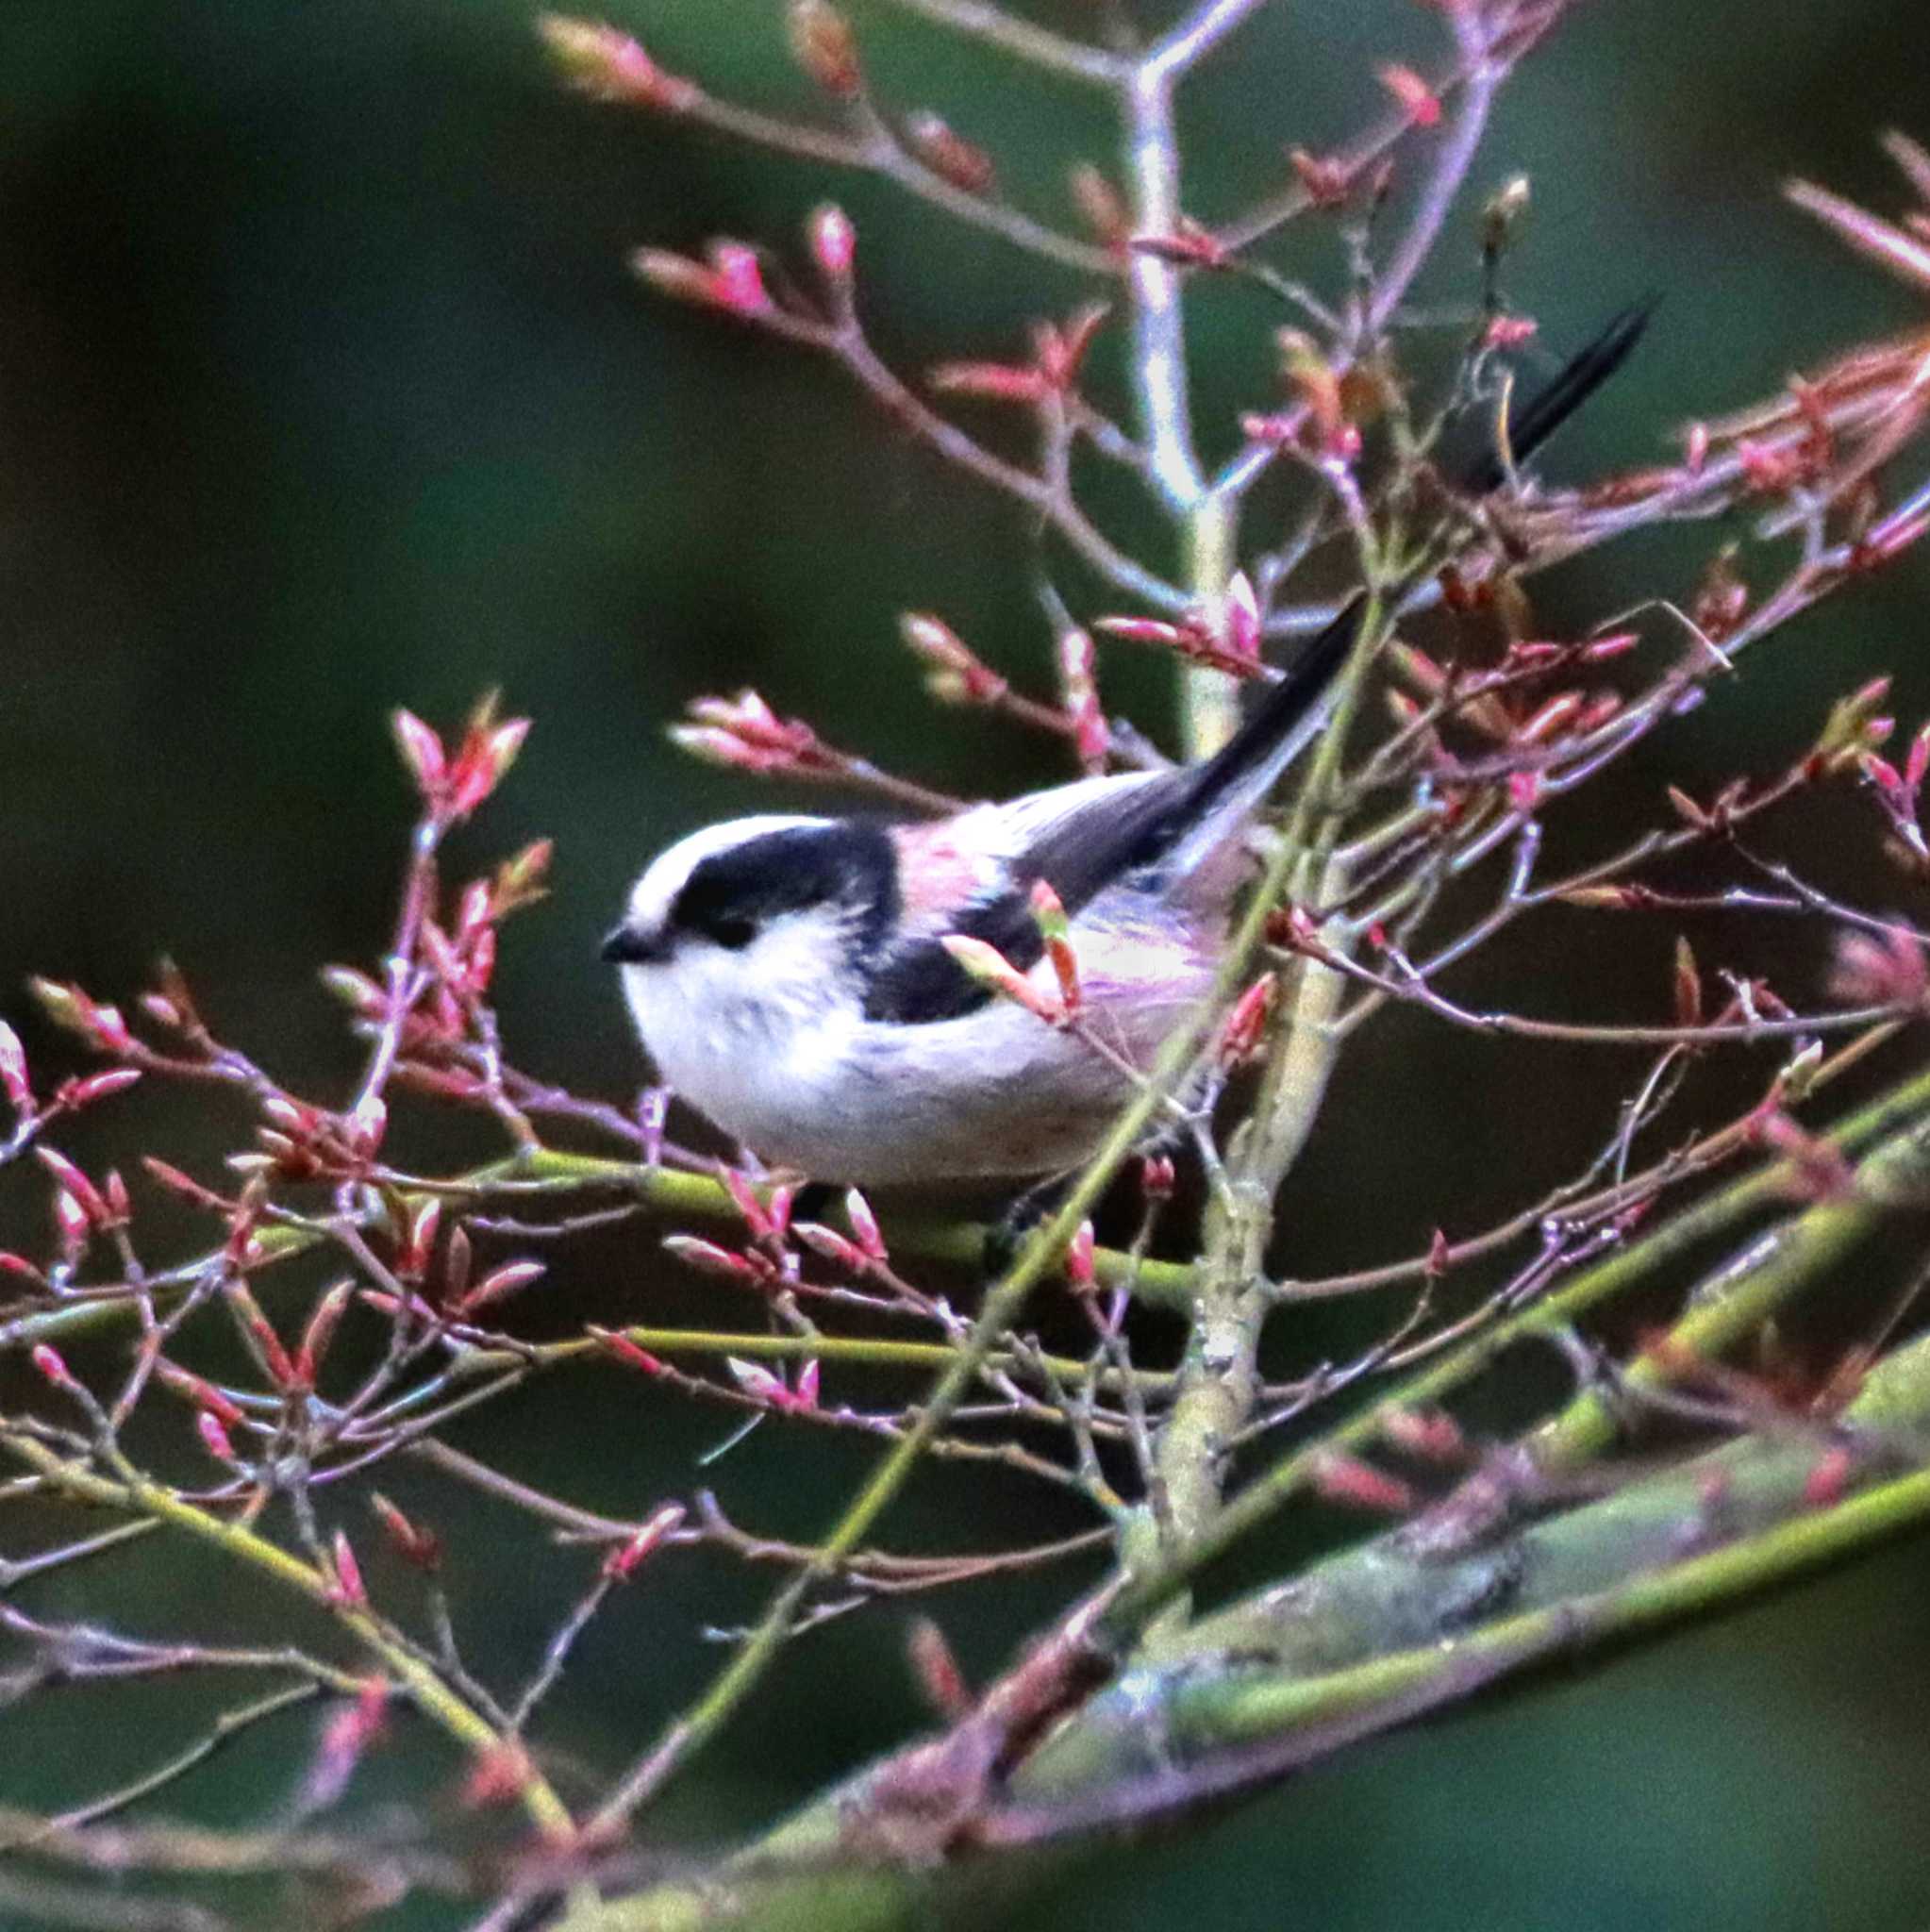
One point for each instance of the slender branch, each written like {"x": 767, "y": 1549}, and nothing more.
{"x": 134, "y": 1491}
{"x": 1039, "y": 45}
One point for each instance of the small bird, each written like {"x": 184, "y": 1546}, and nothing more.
{"x": 789, "y": 977}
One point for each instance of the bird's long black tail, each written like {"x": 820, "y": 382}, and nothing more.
{"x": 1289, "y": 715}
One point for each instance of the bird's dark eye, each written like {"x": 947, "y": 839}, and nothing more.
{"x": 734, "y": 934}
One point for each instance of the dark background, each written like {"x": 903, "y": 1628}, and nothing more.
{"x": 324, "y": 387}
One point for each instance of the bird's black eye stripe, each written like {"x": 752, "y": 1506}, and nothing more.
{"x": 731, "y": 895}
{"x": 733, "y": 934}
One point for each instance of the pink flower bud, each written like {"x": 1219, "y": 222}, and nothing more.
{"x": 822, "y": 44}
{"x": 1508, "y": 331}
{"x": 949, "y": 155}
{"x": 420, "y": 1548}
{"x": 1359, "y": 1484}
{"x": 349, "y": 1590}
{"x": 1081, "y": 1270}
{"x": 623, "y": 1349}
{"x": 1325, "y": 181}
{"x": 1246, "y": 1024}
{"x": 610, "y": 66}
{"x": 1418, "y": 101}
{"x": 738, "y": 279}
{"x": 320, "y": 1332}
{"x": 69, "y": 1178}
{"x": 1828, "y": 1481}
{"x": 864, "y": 1225}
{"x": 51, "y": 1364}
{"x": 421, "y": 753}
{"x": 706, "y": 1257}
{"x": 13, "y": 1074}
{"x": 833, "y": 243}
{"x": 985, "y": 964}
{"x": 74, "y": 1094}
{"x": 499, "y": 1285}
{"x": 214, "y": 1434}
{"x": 831, "y": 1245}
{"x": 622, "y": 1562}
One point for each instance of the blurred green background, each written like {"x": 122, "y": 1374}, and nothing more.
{"x": 324, "y": 387}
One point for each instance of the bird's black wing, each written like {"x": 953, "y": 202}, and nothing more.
{"x": 1083, "y": 851}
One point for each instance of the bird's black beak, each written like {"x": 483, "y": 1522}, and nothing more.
{"x": 624, "y": 945}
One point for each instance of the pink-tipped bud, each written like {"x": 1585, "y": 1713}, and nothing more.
{"x": 1431, "y": 1433}
{"x": 68, "y": 1006}
{"x": 1082, "y": 1273}
{"x": 1246, "y": 1024}
{"x": 995, "y": 382}
{"x": 1358, "y": 1484}
{"x": 1508, "y": 331}
{"x": 832, "y": 1246}
{"x": 727, "y": 1264}
{"x": 356, "y": 990}
{"x": 422, "y": 1549}
{"x": 203, "y": 1394}
{"x": 313, "y": 1349}
{"x": 744, "y": 1197}
{"x": 74, "y": 1094}
{"x": 52, "y": 1365}
{"x": 610, "y": 66}
{"x": 489, "y": 748}
{"x": 620, "y": 1348}
{"x": 833, "y": 243}
{"x": 1099, "y": 204}
{"x": 822, "y": 44}
{"x": 72, "y": 1181}
{"x": 417, "y": 1244}
{"x": 72, "y": 1228}
{"x": 1417, "y": 100}
{"x": 937, "y": 1672}
{"x": 1188, "y": 245}
{"x": 349, "y": 1591}
{"x": 275, "y": 1359}
{"x": 864, "y": 1225}
{"x": 214, "y": 1434}
{"x": 1325, "y": 180}
{"x": 1056, "y": 930}
{"x": 623, "y": 1561}
{"x": 423, "y": 756}
{"x": 1828, "y": 1481}
{"x": 1240, "y": 618}
{"x": 1158, "y": 1178}
{"x": 499, "y": 1285}
{"x": 956, "y": 674}
{"x": 949, "y": 155}
{"x": 986, "y": 966}
{"x": 1079, "y": 683}
{"x": 13, "y": 1075}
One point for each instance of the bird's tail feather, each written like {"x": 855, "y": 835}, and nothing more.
{"x": 1293, "y": 712}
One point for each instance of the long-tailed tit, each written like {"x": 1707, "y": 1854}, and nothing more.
{"x": 788, "y": 978}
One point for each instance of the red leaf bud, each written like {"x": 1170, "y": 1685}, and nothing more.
{"x": 349, "y": 1591}
{"x": 419, "y": 1547}
{"x": 822, "y": 44}
{"x": 422, "y": 753}
{"x": 833, "y": 243}
{"x": 13, "y": 1074}
{"x": 1417, "y": 100}
{"x": 214, "y": 1434}
{"x": 864, "y": 1225}
{"x": 618, "y": 1345}
{"x": 622, "y": 1562}
{"x": 1359, "y": 1484}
